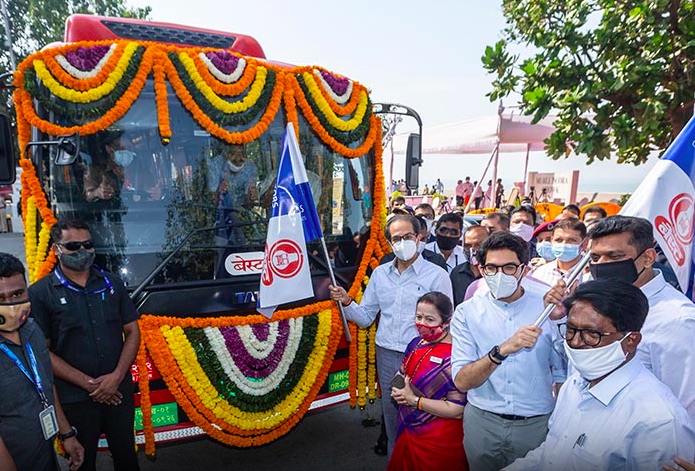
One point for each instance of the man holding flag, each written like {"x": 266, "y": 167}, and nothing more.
{"x": 293, "y": 222}
{"x": 622, "y": 248}
{"x": 393, "y": 290}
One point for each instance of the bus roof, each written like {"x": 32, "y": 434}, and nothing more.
{"x": 97, "y": 28}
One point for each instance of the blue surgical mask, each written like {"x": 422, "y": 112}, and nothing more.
{"x": 124, "y": 157}
{"x": 565, "y": 252}
{"x": 545, "y": 250}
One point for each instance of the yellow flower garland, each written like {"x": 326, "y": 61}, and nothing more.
{"x": 335, "y": 121}
{"x": 286, "y": 92}
{"x": 95, "y": 93}
{"x": 237, "y": 107}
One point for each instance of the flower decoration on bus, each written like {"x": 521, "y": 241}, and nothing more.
{"x": 244, "y": 381}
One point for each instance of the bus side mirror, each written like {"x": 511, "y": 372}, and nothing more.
{"x": 8, "y": 168}
{"x": 413, "y": 161}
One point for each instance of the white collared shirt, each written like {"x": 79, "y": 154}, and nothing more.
{"x": 395, "y": 295}
{"x": 522, "y": 384}
{"x": 667, "y": 348}
{"x": 628, "y": 421}
{"x": 456, "y": 257}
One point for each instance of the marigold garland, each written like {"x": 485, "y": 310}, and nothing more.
{"x": 318, "y": 108}
{"x": 145, "y": 400}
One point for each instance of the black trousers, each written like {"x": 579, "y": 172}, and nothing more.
{"x": 92, "y": 419}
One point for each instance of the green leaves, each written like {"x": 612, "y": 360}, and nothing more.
{"x": 619, "y": 74}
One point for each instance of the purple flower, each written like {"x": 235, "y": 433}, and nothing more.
{"x": 339, "y": 85}
{"x": 86, "y": 58}
{"x": 252, "y": 367}
{"x": 223, "y": 60}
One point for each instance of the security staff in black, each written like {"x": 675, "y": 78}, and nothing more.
{"x": 91, "y": 327}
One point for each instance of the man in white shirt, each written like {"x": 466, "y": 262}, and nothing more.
{"x": 568, "y": 244}
{"x": 448, "y": 233}
{"x": 622, "y": 248}
{"x": 393, "y": 290}
{"x": 612, "y": 413}
{"x": 506, "y": 364}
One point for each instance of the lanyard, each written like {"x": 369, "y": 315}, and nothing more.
{"x": 36, "y": 378}
{"x": 68, "y": 285}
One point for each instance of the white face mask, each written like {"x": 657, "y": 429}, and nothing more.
{"x": 235, "y": 168}
{"x": 429, "y": 223}
{"x": 405, "y": 249}
{"x": 593, "y": 363}
{"x": 124, "y": 157}
{"x": 501, "y": 285}
{"x": 420, "y": 247}
{"x": 522, "y": 230}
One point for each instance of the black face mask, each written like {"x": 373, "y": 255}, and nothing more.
{"x": 446, "y": 243}
{"x": 622, "y": 270}
{"x": 78, "y": 261}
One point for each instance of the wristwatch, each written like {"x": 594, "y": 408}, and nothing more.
{"x": 495, "y": 353}
{"x": 70, "y": 434}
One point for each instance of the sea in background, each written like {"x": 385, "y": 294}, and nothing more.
{"x": 606, "y": 177}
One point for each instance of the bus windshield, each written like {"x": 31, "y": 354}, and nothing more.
{"x": 142, "y": 197}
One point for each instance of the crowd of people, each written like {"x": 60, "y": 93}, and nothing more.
{"x": 471, "y": 378}
{"x": 606, "y": 382}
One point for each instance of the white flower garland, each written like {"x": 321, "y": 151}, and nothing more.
{"x": 81, "y": 74}
{"x": 340, "y": 99}
{"x": 258, "y": 349}
{"x": 221, "y": 76}
{"x": 263, "y": 386}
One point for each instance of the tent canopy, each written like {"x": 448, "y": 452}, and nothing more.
{"x": 514, "y": 133}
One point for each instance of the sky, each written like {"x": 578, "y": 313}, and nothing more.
{"x": 425, "y": 55}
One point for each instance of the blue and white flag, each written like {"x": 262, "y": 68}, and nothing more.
{"x": 665, "y": 198}
{"x": 293, "y": 222}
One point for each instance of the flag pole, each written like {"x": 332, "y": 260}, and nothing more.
{"x": 346, "y": 329}
{"x": 571, "y": 278}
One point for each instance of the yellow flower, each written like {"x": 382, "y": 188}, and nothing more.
{"x": 237, "y": 107}
{"x": 94, "y": 94}
{"x": 336, "y": 122}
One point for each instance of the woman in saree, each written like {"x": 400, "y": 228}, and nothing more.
{"x": 430, "y": 428}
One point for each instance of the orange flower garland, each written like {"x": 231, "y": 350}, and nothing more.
{"x": 145, "y": 400}
{"x": 286, "y": 91}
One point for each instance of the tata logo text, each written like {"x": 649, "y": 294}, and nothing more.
{"x": 677, "y": 230}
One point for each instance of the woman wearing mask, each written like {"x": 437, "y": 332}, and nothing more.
{"x": 430, "y": 433}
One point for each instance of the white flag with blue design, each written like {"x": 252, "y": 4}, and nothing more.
{"x": 665, "y": 198}
{"x": 293, "y": 222}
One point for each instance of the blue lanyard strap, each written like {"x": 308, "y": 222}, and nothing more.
{"x": 68, "y": 285}
{"x": 36, "y": 377}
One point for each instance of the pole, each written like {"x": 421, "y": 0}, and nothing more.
{"x": 528, "y": 149}
{"x": 480, "y": 182}
{"x": 493, "y": 188}
{"x": 571, "y": 278}
{"x": 8, "y": 34}
{"x": 346, "y": 329}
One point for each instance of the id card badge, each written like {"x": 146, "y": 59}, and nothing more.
{"x": 49, "y": 423}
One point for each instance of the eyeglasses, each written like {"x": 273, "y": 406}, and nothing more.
{"x": 75, "y": 245}
{"x": 589, "y": 336}
{"x": 450, "y": 232}
{"x": 507, "y": 269}
{"x": 408, "y": 236}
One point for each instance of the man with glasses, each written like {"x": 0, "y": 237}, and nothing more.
{"x": 622, "y": 249}
{"x": 506, "y": 364}
{"x": 448, "y": 234}
{"x": 393, "y": 290}
{"x": 91, "y": 328}
{"x": 612, "y": 413}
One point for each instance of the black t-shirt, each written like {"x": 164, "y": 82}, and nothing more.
{"x": 85, "y": 327}
{"x": 20, "y": 404}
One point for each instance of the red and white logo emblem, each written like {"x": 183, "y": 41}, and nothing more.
{"x": 284, "y": 259}
{"x": 677, "y": 231}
